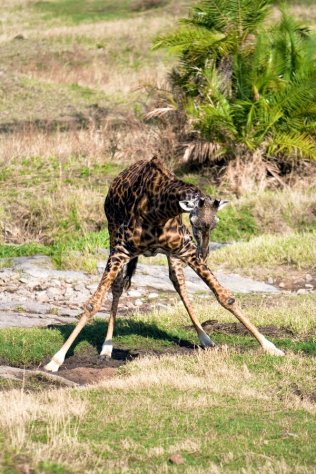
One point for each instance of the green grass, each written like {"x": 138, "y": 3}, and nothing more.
{"x": 235, "y": 224}
{"x": 27, "y": 347}
{"x": 72, "y": 252}
{"x": 296, "y": 249}
{"x": 77, "y": 11}
{"x": 192, "y": 404}
{"x": 159, "y": 332}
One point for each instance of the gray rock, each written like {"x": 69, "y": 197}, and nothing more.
{"x": 308, "y": 277}
{"x": 38, "y": 261}
{"x": 42, "y": 297}
{"x": 134, "y": 293}
{"x": 138, "y": 303}
{"x": 161, "y": 307}
{"x": 213, "y": 246}
{"x": 156, "y": 276}
{"x": 302, "y": 291}
{"x": 53, "y": 292}
{"x": 152, "y": 296}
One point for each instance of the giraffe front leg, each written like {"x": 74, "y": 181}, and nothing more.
{"x": 176, "y": 275}
{"x": 228, "y": 301}
{"x": 114, "y": 265}
{"x": 117, "y": 290}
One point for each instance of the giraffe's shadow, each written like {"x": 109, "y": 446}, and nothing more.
{"x": 132, "y": 332}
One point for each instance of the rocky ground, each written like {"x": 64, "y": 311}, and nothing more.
{"x": 35, "y": 294}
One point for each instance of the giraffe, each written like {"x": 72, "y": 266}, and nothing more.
{"x": 144, "y": 209}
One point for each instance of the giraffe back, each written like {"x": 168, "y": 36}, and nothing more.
{"x": 135, "y": 190}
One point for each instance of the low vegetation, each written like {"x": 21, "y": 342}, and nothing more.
{"x": 244, "y": 82}
{"x": 179, "y": 404}
{"x": 72, "y": 113}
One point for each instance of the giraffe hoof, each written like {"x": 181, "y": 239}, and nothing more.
{"x": 106, "y": 351}
{"x": 52, "y": 366}
{"x": 271, "y": 349}
{"x": 206, "y": 341}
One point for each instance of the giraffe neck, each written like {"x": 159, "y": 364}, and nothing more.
{"x": 166, "y": 204}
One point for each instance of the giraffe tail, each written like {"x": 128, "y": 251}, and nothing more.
{"x": 130, "y": 270}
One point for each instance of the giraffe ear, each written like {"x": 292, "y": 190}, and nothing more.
{"x": 187, "y": 206}
{"x": 219, "y": 204}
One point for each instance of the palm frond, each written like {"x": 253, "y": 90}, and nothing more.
{"x": 159, "y": 112}
{"x": 200, "y": 151}
{"x": 296, "y": 145}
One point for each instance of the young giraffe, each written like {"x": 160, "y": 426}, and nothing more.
{"x": 143, "y": 208}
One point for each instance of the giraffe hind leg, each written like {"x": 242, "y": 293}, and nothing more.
{"x": 130, "y": 270}
{"x": 176, "y": 276}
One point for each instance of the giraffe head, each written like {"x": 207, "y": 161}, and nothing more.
{"x": 203, "y": 219}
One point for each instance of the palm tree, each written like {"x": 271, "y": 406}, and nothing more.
{"x": 245, "y": 85}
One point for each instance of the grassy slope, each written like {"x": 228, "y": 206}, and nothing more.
{"x": 194, "y": 405}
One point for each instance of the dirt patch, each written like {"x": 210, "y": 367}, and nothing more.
{"x": 214, "y": 326}
{"x": 87, "y": 367}
{"x": 309, "y": 397}
{"x": 88, "y": 375}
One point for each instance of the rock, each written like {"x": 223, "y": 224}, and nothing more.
{"x": 42, "y": 297}
{"x": 281, "y": 284}
{"x": 307, "y": 285}
{"x": 68, "y": 293}
{"x": 138, "y": 303}
{"x": 176, "y": 459}
{"x": 161, "y": 307}
{"x": 134, "y": 293}
{"x": 52, "y": 292}
{"x": 218, "y": 245}
{"x": 40, "y": 287}
{"x": 152, "y": 296}
{"x": 23, "y": 280}
{"x": 270, "y": 281}
{"x": 308, "y": 277}
{"x": 37, "y": 261}
{"x": 156, "y": 276}
{"x": 301, "y": 291}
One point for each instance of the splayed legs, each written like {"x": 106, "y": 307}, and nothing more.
{"x": 114, "y": 266}
{"x": 176, "y": 275}
{"x": 117, "y": 290}
{"x": 228, "y": 301}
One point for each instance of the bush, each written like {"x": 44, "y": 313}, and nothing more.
{"x": 247, "y": 86}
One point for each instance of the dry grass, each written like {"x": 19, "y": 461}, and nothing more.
{"x": 62, "y": 412}
{"x": 55, "y": 183}
{"x": 62, "y": 426}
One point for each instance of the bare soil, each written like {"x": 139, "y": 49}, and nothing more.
{"x": 87, "y": 367}
{"x": 212, "y": 326}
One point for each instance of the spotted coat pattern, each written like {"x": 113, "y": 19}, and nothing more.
{"x": 145, "y": 217}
